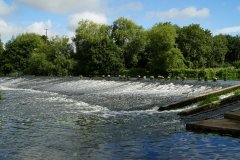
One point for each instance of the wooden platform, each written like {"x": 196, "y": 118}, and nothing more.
{"x": 230, "y": 125}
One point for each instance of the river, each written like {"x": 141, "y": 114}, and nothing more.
{"x": 73, "y": 118}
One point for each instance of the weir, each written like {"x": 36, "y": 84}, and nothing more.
{"x": 125, "y": 95}
{"x": 115, "y": 95}
{"x": 40, "y": 116}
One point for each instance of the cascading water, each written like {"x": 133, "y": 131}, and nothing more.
{"x": 72, "y": 118}
{"x": 112, "y": 95}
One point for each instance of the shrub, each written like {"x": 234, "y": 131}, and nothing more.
{"x": 191, "y": 73}
{"x": 209, "y": 73}
{"x": 236, "y": 64}
{"x": 134, "y": 72}
{"x": 202, "y": 73}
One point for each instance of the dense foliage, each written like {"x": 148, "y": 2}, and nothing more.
{"x": 18, "y": 51}
{"x": 1, "y": 54}
{"x": 96, "y": 51}
{"x": 52, "y": 58}
{"x": 163, "y": 54}
{"x": 123, "y": 47}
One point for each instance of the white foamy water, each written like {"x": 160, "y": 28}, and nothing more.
{"x": 226, "y": 96}
{"x": 75, "y": 106}
{"x": 111, "y": 97}
{"x": 119, "y": 87}
{"x": 181, "y": 109}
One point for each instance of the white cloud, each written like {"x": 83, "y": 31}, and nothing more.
{"x": 190, "y": 12}
{"x": 7, "y": 30}
{"x": 228, "y": 30}
{"x": 5, "y": 8}
{"x": 66, "y": 6}
{"x": 132, "y": 6}
{"x": 40, "y": 28}
{"x": 95, "y": 17}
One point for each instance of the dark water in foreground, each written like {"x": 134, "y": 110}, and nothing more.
{"x": 68, "y": 118}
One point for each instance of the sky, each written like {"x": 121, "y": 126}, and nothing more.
{"x": 61, "y": 17}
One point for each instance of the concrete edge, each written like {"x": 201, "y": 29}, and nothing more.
{"x": 201, "y": 128}
{"x": 196, "y": 99}
{"x": 210, "y": 106}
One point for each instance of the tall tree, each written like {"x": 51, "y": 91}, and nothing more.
{"x": 1, "y": 56}
{"x": 52, "y": 58}
{"x": 233, "y": 53}
{"x": 196, "y": 45}
{"x": 96, "y": 51}
{"x": 1, "y": 47}
{"x": 131, "y": 38}
{"x": 220, "y": 49}
{"x": 163, "y": 54}
{"x": 19, "y": 50}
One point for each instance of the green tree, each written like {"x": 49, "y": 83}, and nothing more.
{"x": 63, "y": 66}
{"x": 131, "y": 38}
{"x": 40, "y": 65}
{"x": 196, "y": 45}
{"x": 52, "y": 58}
{"x": 174, "y": 59}
{"x": 96, "y": 51}
{"x": 219, "y": 52}
{"x": 163, "y": 54}
{"x": 60, "y": 46}
{"x": 18, "y": 51}
{"x": 233, "y": 53}
{"x": 1, "y": 48}
{"x": 1, "y": 56}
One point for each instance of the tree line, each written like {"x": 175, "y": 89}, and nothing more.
{"x": 123, "y": 47}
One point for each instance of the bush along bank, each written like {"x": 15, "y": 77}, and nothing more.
{"x": 205, "y": 74}
{"x": 198, "y": 74}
